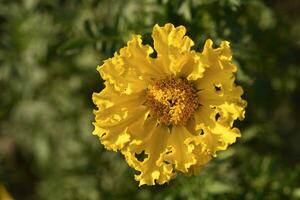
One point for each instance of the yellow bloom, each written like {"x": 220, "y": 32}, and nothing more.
{"x": 4, "y": 195}
{"x": 170, "y": 112}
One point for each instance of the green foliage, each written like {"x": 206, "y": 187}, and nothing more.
{"x": 49, "y": 50}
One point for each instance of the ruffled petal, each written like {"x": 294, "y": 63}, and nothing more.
{"x": 210, "y": 97}
{"x": 219, "y": 67}
{"x": 204, "y": 117}
{"x": 188, "y": 64}
{"x": 131, "y": 69}
{"x": 180, "y": 147}
{"x": 219, "y": 138}
{"x": 216, "y": 124}
{"x": 174, "y": 53}
{"x": 117, "y": 116}
{"x": 217, "y": 88}
{"x": 169, "y": 38}
{"x": 220, "y": 99}
{"x": 217, "y": 84}
{"x": 152, "y": 168}
{"x": 203, "y": 156}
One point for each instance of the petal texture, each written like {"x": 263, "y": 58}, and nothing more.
{"x": 117, "y": 115}
{"x": 174, "y": 54}
{"x": 220, "y": 99}
{"x": 131, "y": 69}
{"x": 141, "y": 97}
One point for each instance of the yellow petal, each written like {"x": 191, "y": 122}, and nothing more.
{"x": 117, "y": 115}
{"x": 214, "y": 54}
{"x": 203, "y": 156}
{"x": 219, "y": 68}
{"x": 231, "y": 112}
{"x": 168, "y": 37}
{"x": 115, "y": 136}
{"x": 204, "y": 117}
{"x": 173, "y": 52}
{"x": 136, "y": 55}
{"x": 180, "y": 149}
{"x": 131, "y": 70}
{"x": 217, "y": 134}
{"x": 217, "y": 90}
{"x": 201, "y": 152}
{"x": 219, "y": 138}
{"x": 210, "y": 97}
{"x": 188, "y": 64}
{"x": 152, "y": 169}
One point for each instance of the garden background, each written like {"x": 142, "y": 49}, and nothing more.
{"x": 49, "y": 50}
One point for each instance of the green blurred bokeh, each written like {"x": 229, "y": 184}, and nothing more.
{"x": 49, "y": 50}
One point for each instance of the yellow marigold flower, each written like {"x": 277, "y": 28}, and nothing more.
{"x": 171, "y": 112}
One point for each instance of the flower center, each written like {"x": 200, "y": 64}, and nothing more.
{"x": 172, "y": 100}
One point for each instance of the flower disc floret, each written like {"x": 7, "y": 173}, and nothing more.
{"x": 172, "y": 101}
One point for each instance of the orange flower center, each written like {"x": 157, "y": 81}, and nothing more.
{"x": 172, "y": 101}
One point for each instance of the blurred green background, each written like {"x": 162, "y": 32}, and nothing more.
{"x": 49, "y": 50}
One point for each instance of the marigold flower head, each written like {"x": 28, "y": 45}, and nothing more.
{"x": 171, "y": 112}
